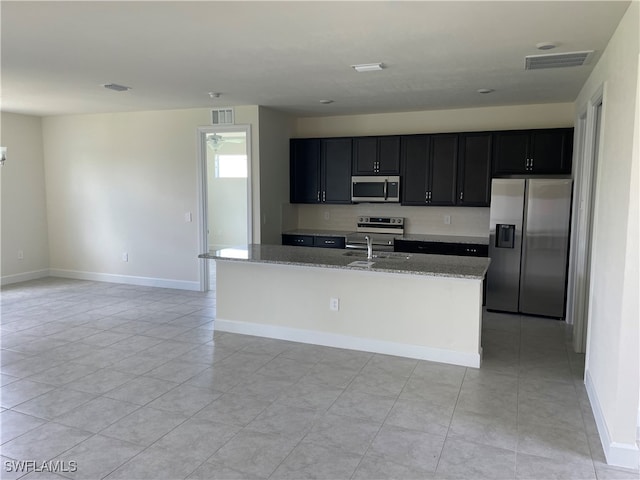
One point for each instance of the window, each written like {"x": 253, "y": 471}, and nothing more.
{"x": 231, "y": 166}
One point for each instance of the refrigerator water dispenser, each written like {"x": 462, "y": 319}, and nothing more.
{"x": 505, "y": 235}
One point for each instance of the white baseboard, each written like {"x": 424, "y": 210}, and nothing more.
{"x": 24, "y": 277}
{"x": 625, "y": 455}
{"x": 126, "y": 279}
{"x": 348, "y": 342}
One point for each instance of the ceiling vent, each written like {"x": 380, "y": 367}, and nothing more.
{"x": 557, "y": 60}
{"x": 222, "y": 116}
{"x": 116, "y": 87}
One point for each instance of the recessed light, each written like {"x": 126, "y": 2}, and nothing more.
{"x": 368, "y": 67}
{"x": 326, "y": 102}
{"x": 214, "y": 94}
{"x": 545, "y": 46}
{"x": 115, "y": 87}
{"x": 485, "y": 90}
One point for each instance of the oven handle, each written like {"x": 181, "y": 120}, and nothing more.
{"x": 386, "y": 195}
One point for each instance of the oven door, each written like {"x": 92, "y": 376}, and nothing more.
{"x": 375, "y": 189}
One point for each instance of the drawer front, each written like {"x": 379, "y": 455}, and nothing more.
{"x": 330, "y": 242}
{"x": 298, "y": 240}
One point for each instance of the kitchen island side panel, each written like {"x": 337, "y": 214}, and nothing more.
{"x": 418, "y": 316}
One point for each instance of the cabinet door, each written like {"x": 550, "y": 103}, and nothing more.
{"x": 304, "y": 171}
{"x": 551, "y": 151}
{"x": 389, "y": 155}
{"x": 444, "y": 158}
{"x": 336, "y": 170}
{"x": 474, "y": 169}
{"x": 415, "y": 161}
{"x": 365, "y": 155}
{"x": 510, "y": 152}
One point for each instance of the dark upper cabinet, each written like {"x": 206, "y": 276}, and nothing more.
{"x": 526, "y": 152}
{"x": 304, "y": 170}
{"x": 335, "y": 171}
{"x": 444, "y": 158}
{"x": 429, "y": 169}
{"x": 376, "y": 155}
{"x": 474, "y": 169}
{"x": 415, "y": 168}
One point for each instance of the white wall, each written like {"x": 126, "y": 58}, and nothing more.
{"x": 22, "y": 199}
{"x": 437, "y": 121}
{"x": 122, "y": 183}
{"x": 275, "y": 130}
{"x": 613, "y": 354}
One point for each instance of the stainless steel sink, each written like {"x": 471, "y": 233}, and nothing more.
{"x": 377, "y": 255}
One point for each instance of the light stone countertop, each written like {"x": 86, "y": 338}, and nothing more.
{"x": 318, "y": 233}
{"x": 404, "y": 263}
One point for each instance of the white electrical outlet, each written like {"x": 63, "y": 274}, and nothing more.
{"x": 327, "y": 216}
{"x": 125, "y": 257}
{"x": 447, "y": 219}
{"x": 334, "y": 304}
{"x": 188, "y": 217}
{"x": 20, "y": 255}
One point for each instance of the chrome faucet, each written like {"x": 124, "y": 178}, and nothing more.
{"x": 369, "y": 247}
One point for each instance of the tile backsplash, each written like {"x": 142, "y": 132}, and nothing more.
{"x": 465, "y": 221}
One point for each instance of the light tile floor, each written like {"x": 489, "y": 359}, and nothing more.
{"x": 132, "y": 383}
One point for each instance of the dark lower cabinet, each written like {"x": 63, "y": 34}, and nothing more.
{"x": 322, "y": 241}
{"x": 441, "y": 248}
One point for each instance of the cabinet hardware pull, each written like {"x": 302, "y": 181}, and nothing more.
{"x": 324, "y": 196}
{"x": 461, "y": 195}
{"x": 318, "y": 195}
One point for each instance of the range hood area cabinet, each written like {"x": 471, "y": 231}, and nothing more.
{"x": 320, "y": 170}
{"x": 533, "y": 152}
{"x": 376, "y": 155}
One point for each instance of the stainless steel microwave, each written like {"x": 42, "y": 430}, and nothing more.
{"x": 375, "y": 189}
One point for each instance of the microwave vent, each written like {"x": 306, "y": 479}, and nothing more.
{"x": 222, "y": 116}
{"x": 557, "y": 60}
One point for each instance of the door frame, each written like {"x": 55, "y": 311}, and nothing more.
{"x": 585, "y": 200}
{"x": 203, "y": 211}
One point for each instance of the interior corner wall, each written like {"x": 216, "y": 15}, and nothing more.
{"x": 121, "y": 183}
{"x": 612, "y": 367}
{"x": 513, "y": 117}
{"x": 22, "y": 199}
{"x": 275, "y": 129}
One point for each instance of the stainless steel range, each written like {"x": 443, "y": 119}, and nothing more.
{"x": 382, "y": 230}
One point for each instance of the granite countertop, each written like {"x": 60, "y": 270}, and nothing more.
{"x": 413, "y": 264}
{"x": 418, "y": 237}
{"x": 318, "y": 233}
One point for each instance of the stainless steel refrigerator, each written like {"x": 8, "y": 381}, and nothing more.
{"x": 528, "y": 246}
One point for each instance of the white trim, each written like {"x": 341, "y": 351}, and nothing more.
{"x": 352, "y": 343}
{"x": 24, "y": 277}
{"x": 625, "y": 455}
{"x": 126, "y": 279}
{"x": 203, "y": 238}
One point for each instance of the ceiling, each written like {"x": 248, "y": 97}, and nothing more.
{"x": 290, "y": 55}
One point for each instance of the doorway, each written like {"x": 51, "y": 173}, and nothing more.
{"x": 589, "y": 131}
{"x": 225, "y": 193}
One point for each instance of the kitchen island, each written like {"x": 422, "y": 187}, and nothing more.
{"x": 413, "y": 305}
